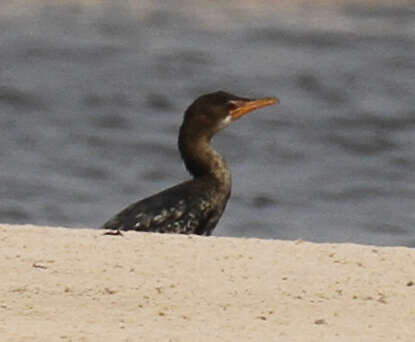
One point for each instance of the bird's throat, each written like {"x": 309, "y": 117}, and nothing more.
{"x": 202, "y": 160}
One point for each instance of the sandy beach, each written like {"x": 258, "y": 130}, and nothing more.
{"x": 61, "y": 284}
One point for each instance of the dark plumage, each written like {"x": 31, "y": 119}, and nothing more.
{"x": 195, "y": 206}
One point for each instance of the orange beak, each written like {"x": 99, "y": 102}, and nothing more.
{"x": 246, "y": 106}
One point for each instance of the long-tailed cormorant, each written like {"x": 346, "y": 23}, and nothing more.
{"x": 194, "y": 206}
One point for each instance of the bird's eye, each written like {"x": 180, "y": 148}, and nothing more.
{"x": 232, "y": 105}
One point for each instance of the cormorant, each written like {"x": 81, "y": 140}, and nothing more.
{"x": 194, "y": 206}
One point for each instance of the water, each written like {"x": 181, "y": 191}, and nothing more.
{"x": 92, "y": 95}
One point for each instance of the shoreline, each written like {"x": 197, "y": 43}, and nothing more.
{"x": 77, "y": 284}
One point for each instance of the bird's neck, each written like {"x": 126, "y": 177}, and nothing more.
{"x": 202, "y": 160}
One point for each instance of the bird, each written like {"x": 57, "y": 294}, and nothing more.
{"x": 194, "y": 206}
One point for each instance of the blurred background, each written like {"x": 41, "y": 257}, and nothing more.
{"x": 92, "y": 95}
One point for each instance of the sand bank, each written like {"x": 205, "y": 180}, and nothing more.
{"x": 78, "y": 285}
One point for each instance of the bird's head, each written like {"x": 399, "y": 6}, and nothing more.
{"x": 211, "y": 112}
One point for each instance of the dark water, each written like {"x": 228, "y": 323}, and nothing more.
{"x": 91, "y": 97}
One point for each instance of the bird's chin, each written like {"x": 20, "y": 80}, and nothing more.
{"x": 225, "y": 122}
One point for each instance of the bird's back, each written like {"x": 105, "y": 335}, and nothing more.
{"x": 192, "y": 207}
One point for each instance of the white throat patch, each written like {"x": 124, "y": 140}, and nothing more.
{"x": 225, "y": 122}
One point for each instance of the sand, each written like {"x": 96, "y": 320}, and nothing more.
{"x": 62, "y": 284}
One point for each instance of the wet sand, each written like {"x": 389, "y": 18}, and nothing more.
{"x": 79, "y": 285}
